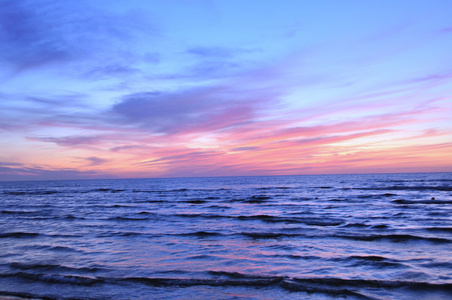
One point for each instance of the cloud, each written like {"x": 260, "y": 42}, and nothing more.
{"x": 340, "y": 138}
{"x": 213, "y": 52}
{"x": 38, "y": 173}
{"x": 96, "y": 161}
{"x": 218, "y": 52}
{"x": 33, "y": 115}
{"x": 28, "y": 37}
{"x": 69, "y": 141}
{"x": 446, "y": 30}
{"x": 126, "y": 147}
{"x": 40, "y": 33}
{"x": 10, "y": 164}
{"x": 113, "y": 70}
{"x": 208, "y": 63}
{"x": 183, "y": 156}
{"x": 251, "y": 148}
{"x": 195, "y": 110}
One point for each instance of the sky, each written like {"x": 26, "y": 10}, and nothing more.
{"x": 185, "y": 88}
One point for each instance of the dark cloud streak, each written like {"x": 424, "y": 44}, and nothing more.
{"x": 70, "y": 141}
{"x": 30, "y": 173}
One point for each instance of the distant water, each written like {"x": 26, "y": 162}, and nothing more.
{"x": 283, "y": 237}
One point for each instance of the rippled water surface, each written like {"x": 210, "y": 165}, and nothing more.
{"x": 386, "y": 236}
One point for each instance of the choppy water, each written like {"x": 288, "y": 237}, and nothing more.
{"x": 287, "y": 237}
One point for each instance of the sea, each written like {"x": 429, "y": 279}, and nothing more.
{"x": 373, "y": 236}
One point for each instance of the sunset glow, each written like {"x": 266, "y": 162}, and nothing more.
{"x": 125, "y": 89}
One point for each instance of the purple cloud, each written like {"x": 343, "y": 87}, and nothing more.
{"x": 203, "y": 109}
{"x": 115, "y": 70}
{"x": 28, "y": 37}
{"x": 126, "y": 147}
{"x": 10, "y": 164}
{"x": 40, "y": 32}
{"x": 217, "y": 52}
{"x": 252, "y": 148}
{"x": 69, "y": 141}
{"x": 209, "y": 52}
{"x": 25, "y": 173}
{"x": 96, "y": 161}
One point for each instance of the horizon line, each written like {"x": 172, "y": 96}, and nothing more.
{"x": 224, "y": 176}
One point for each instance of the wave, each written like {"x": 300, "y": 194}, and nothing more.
{"x": 337, "y": 287}
{"x": 197, "y": 215}
{"x": 370, "y": 283}
{"x": 310, "y": 221}
{"x": 443, "y": 188}
{"x": 245, "y": 281}
{"x": 148, "y": 191}
{"x": 252, "y": 200}
{"x": 19, "y": 212}
{"x": 447, "y": 265}
{"x": 358, "y": 225}
{"x": 294, "y": 286}
{"x": 22, "y": 295}
{"x": 369, "y": 257}
{"x": 120, "y": 218}
{"x": 57, "y": 278}
{"x": 295, "y": 232}
{"x": 31, "y": 193}
{"x": 402, "y": 201}
{"x": 387, "y": 195}
{"x": 201, "y": 234}
{"x": 107, "y": 190}
{"x": 393, "y": 238}
{"x": 52, "y": 267}
{"x": 307, "y": 221}
{"x": 375, "y": 261}
{"x": 19, "y": 234}
{"x": 443, "y": 229}
{"x": 362, "y": 225}
{"x": 51, "y": 248}
{"x": 222, "y": 207}
{"x": 240, "y": 275}
{"x": 150, "y": 201}
{"x": 50, "y": 192}
{"x": 340, "y": 200}
{"x": 23, "y": 234}
{"x": 39, "y": 215}
{"x": 181, "y": 190}
{"x": 72, "y": 217}
{"x": 154, "y": 281}
{"x": 274, "y": 188}
{"x": 269, "y": 235}
{"x": 380, "y": 226}
{"x": 124, "y": 233}
{"x": 195, "y": 201}
{"x": 300, "y": 257}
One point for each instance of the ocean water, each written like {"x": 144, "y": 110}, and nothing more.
{"x": 385, "y": 236}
